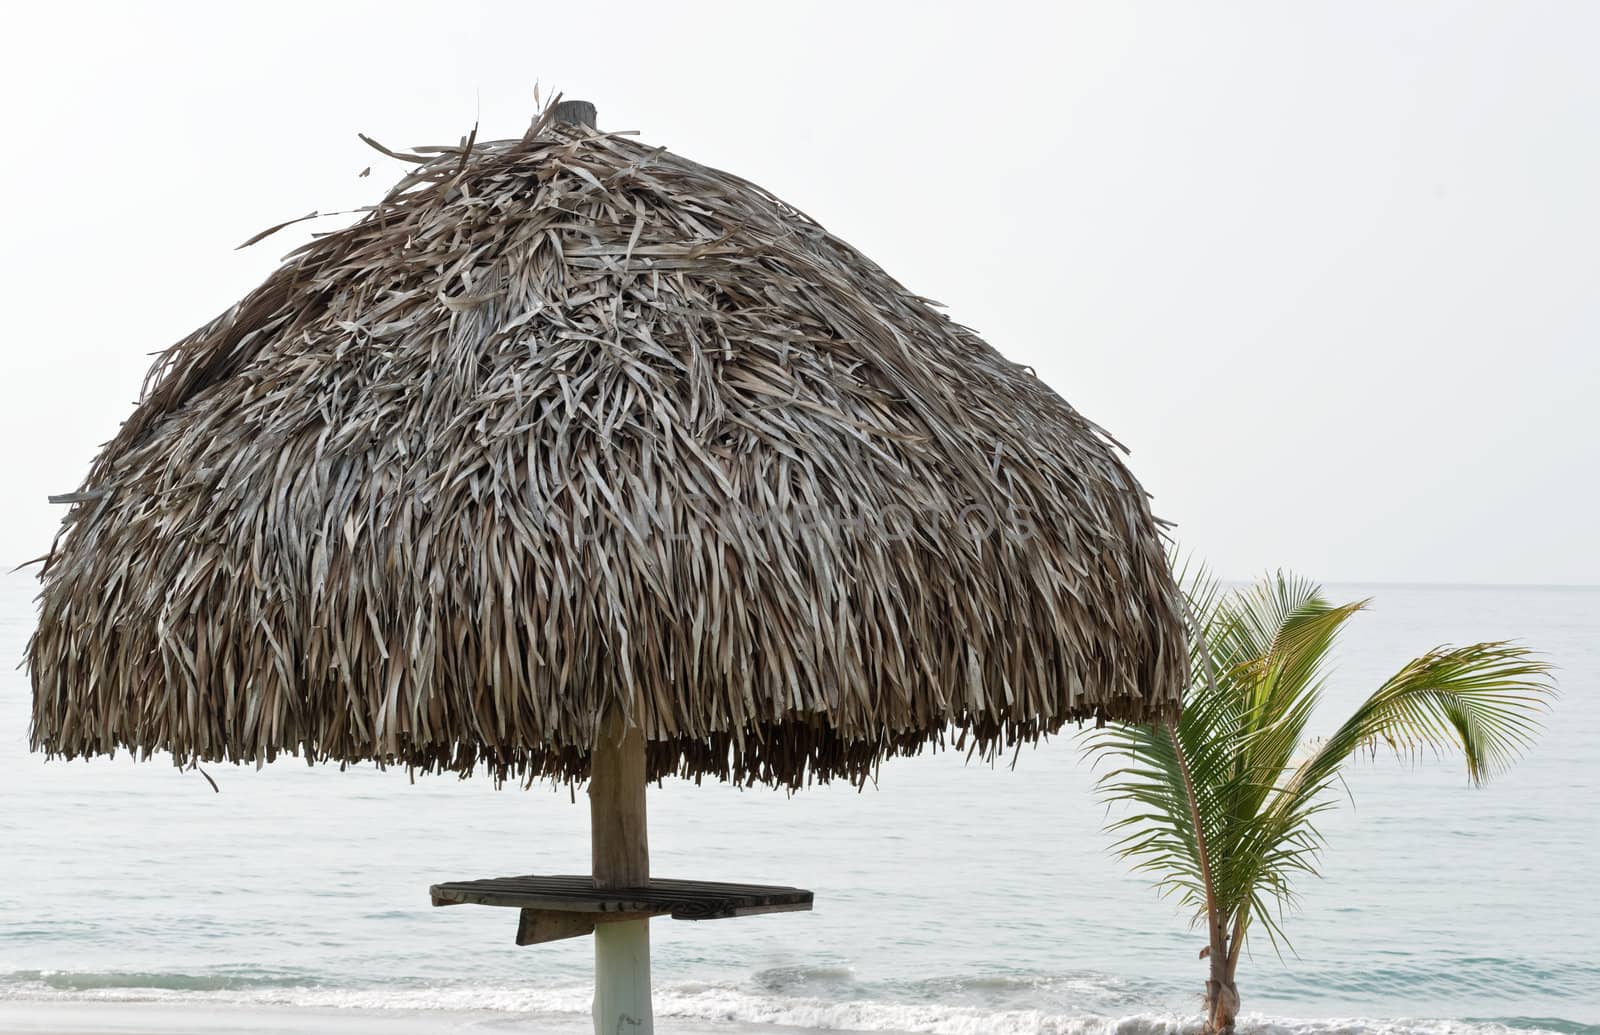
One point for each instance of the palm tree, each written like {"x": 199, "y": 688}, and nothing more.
{"x": 1224, "y": 801}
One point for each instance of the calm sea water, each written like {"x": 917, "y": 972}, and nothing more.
{"x": 950, "y": 898}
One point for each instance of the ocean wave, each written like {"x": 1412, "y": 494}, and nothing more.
{"x": 732, "y": 1005}
{"x": 717, "y": 1004}
{"x": 82, "y": 984}
{"x": 1465, "y": 977}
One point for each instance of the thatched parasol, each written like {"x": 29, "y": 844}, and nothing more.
{"x": 575, "y": 457}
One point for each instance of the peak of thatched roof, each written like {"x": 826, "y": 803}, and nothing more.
{"x": 567, "y": 423}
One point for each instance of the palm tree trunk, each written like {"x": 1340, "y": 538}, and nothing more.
{"x": 1222, "y": 1006}
{"x": 1220, "y": 992}
{"x": 1222, "y": 996}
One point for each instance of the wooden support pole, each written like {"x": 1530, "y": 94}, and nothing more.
{"x": 577, "y": 113}
{"x": 621, "y": 851}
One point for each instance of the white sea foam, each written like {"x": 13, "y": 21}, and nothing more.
{"x": 733, "y": 1006}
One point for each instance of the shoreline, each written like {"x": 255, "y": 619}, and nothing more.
{"x": 134, "y": 1017}
{"x": 46, "y": 1017}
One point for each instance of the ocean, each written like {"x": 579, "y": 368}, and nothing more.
{"x": 953, "y": 898}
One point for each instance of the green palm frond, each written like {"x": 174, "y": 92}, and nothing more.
{"x": 1156, "y": 834}
{"x": 1260, "y": 660}
{"x": 1483, "y": 700}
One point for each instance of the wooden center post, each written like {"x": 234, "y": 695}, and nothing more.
{"x": 620, "y": 843}
{"x": 621, "y": 849}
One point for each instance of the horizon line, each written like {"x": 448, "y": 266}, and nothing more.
{"x": 1423, "y": 584}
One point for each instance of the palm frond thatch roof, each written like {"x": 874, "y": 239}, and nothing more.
{"x": 569, "y": 422}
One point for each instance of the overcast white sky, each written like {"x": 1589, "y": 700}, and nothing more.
{"x": 1329, "y": 269}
